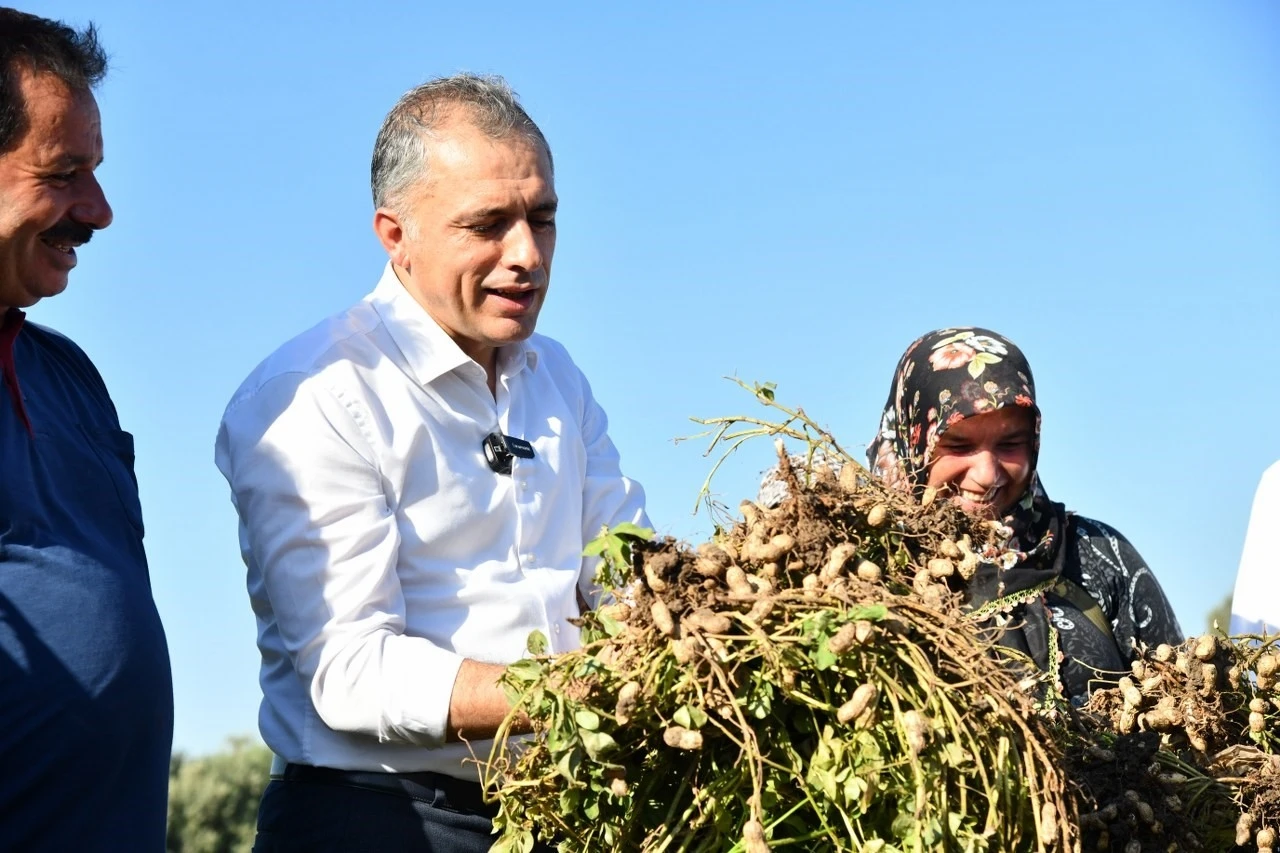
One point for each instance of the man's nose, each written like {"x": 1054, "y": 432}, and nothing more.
{"x": 92, "y": 208}
{"x": 521, "y": 249}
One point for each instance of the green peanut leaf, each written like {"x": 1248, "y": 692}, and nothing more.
{"x": 871, "y": 612}
{"x": 634, "y": 531}
{"x": 597, "y": 744}
{"x": 587, "y": 719}
{"x": 525, "y": 670}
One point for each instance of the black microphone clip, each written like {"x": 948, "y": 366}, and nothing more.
{"x": 500, "y": 450}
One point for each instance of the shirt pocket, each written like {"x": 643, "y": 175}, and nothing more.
{"x": 114, "y": 449}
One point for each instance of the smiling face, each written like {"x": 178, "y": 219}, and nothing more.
{"x": 473, "y": 241}
{"x": 986, "y": 460}
{"x": 50, "y": 201}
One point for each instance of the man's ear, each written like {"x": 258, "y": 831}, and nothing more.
{"x": 389, "y": 226}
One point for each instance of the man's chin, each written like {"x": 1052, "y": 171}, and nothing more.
{"x": 40, "y": 281}
{"x": 27, "y": 297}
{"x": 49, "y": 288}
{"x": 513, "y": 331}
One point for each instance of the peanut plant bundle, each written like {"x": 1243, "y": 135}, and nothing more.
{"x": 810, "y": 679}
{"x": 806, "y": 680}
{"x": 1181, "y": 754}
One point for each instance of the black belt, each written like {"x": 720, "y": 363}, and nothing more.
{"x": 435, "y": 789}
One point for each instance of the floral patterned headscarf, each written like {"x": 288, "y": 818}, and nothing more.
{"x": 944, "y": 377}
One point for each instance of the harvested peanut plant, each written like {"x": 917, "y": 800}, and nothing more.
{"x": 808, "y": 679}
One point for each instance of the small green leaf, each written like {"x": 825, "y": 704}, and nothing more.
{"x": 854, "y": 788}
{"x": 825, "y": 781}
{"x": 555, "y": 740}
{"x": 634, "y": 531}
{"x": 823, "y": 657}
{"x": 612, "y": 627}
{"x": 871, "y": 612}
{"x": 587, "y": 719}
{"x": 590, "y": 668}
{"x": 760, "y": 703}
{"x": 906, "y": 828}
{"x": 537, "y": 643}
{"x": 683, "y": 717}
{"x": 617, "y": 551}
{"x": 817, "y": 625}
{"x": 954, "y": 755}
{"x": 518, "y": 842}
{"x": 767, "y": 390}
{"x": 569, "y": 763}
{"x": 525, "y": 670}
{"x": 597, "y": 744}
{"x": 592, "y": 632}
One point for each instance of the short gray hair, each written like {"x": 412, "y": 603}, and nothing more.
{"x": 400, "y": 152}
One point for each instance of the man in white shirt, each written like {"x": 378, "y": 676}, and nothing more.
{"x": 416, "y": 478}
{"x": 1255, "y": 606}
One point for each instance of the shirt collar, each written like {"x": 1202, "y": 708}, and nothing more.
{"x": 428, "y": 349}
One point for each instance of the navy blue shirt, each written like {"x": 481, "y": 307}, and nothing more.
{"x": 86, "y": 697}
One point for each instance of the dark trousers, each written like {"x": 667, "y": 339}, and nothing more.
{"x": 318, "y": 810}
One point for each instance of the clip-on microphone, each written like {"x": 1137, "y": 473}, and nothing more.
{"x": 500, "y": 449}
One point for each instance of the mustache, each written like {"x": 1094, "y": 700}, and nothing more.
{"x": 68, "y": 231}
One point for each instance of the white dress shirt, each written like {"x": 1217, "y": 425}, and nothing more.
{"x": 1255, "y": 606}
{"x": 381, "y": 548}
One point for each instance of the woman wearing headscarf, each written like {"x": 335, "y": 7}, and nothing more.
{"x": 1068, "y": 591}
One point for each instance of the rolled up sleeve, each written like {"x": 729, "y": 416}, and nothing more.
{"x": 321, "y": 541}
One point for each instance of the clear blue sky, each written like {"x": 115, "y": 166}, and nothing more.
{"x": 786, "y": 192}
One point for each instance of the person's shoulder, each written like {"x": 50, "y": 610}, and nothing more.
{"x": 1099, "y": 533}
{"x": 1269, "y": 482}
{"x": 49, "y": 338}
{"x": 58, "y": 347}
{"x": 1086, "y": 526}
{"x": 1104, "y": 549}
{"x": 1265, "y": 508}
{"x": 332, "y": 346}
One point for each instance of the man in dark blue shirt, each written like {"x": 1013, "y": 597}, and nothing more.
{"x": 86, "y": 698}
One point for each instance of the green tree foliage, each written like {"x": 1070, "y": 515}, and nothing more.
{"x": 213, "y": 800}
{"x": 1221, "y": 614}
